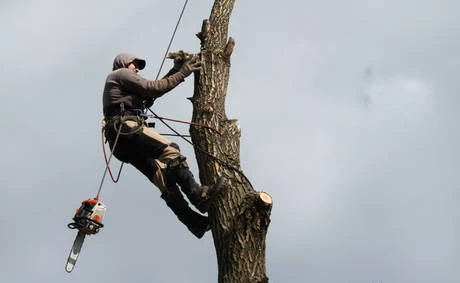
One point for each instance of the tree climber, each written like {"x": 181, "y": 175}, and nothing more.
{"x": 132, "y": 141}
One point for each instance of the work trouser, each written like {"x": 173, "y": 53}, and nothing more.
{"x": 142, "y": 147}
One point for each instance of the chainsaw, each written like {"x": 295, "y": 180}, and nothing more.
{"x": 88, "y": 221}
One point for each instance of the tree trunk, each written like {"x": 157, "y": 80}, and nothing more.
{"x": 239, "y": 215}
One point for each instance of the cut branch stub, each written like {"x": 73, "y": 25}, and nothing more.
{"x": 255, "y": 211}
{"x": 229, "y": 47}
{"x": 203, "y": 34}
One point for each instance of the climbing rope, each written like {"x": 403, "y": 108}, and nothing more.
{"x": 172, "y": 38}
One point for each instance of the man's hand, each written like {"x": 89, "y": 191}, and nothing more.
{"x": 178, "y": 62}
{"x": 190, "y": 65}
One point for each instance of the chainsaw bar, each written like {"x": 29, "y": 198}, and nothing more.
{"x": 75, "y": 251}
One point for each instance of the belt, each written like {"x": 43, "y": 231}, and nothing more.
{"x": 129, "y": 115}
{"x": 127, "y": 112}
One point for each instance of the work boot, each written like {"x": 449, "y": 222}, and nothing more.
{"x": 197, "y": 224}
{"x": 198, "y": 195}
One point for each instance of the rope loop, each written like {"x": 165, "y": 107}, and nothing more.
{"x": 118, "y": 124}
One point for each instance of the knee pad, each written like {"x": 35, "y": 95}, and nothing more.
{"x": 178, "y": 162}
{"x": 173, "y": 167}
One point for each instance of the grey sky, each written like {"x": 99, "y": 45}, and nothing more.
{"x": 348, "y": 110}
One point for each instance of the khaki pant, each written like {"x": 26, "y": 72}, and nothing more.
{"x": 145, "y": 149}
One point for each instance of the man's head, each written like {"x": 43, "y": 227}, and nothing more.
{"x": 130, "y": 61}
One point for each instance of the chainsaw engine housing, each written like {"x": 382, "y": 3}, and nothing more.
{"x": 89, "y": 216}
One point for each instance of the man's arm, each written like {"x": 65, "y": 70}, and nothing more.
{"x": 149, "y": 89}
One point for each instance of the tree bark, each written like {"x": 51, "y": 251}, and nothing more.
{"x": 239, "y": 215}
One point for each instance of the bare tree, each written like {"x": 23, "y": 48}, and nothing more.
{"x": 239, "y": 215}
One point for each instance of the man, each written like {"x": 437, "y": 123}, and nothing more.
{"x": 152, "y": 154}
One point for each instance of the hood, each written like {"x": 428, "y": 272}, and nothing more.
{"x": 124, "y": 59}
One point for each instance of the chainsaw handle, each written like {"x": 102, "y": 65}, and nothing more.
{"x": 72, "y": 225}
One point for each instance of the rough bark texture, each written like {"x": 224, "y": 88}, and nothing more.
{"x": 239, "y": 215}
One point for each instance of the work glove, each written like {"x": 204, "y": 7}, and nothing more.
{"x": 178, "y": 62}
{"x": 190, "y": 65}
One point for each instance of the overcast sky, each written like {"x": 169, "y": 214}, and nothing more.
{"x": 349, "y": 116}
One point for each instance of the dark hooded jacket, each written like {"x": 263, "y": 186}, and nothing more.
{"x": 124, "y": 85}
